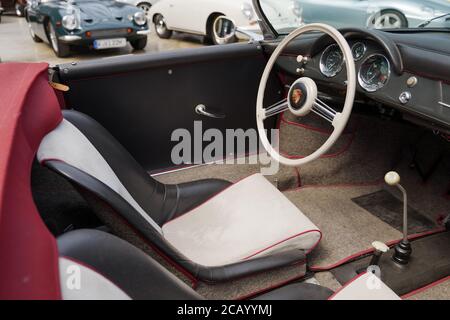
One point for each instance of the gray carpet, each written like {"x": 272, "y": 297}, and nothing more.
{"x": 438, "y": 292}
{"x": 328, "y": 280}
{"x": 346, "y": 227}
{"x": 372, "y": 152}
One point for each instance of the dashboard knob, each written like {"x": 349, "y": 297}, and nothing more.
{"x": 411, "y": 82}
{"x": 405, "y": 97}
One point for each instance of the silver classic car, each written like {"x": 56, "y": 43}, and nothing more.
{"x": 379, "y": 14}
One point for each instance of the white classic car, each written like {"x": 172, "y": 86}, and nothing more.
{"x": 144, "y": 5}
{"x": 198, "y": 16}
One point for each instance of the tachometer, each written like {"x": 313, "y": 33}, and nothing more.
{"x": 374, "y": 72}
{"x": 331, "y": 61}
{"x": 358, "y": 50}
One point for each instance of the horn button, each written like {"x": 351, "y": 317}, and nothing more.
{"x": 301, "y": 96}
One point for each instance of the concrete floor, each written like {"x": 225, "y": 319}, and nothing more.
{"x": 16, "y": 45}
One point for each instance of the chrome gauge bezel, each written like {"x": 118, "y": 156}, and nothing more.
{"x": 364, "y": 52}
{"x": 373, "y": 88}
{"x": 323, "y": 69}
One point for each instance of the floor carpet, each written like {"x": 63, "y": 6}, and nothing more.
{"x": 346, "y": 227}
{"x": 440, "y": 291}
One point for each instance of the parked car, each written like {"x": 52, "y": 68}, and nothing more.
{"x": 98, "y": 24}
{"x": 198, "y": 16}
{"x": 379, "y": 14}
{"x": 144, "y": 5}
{"x": 16, "y": 6}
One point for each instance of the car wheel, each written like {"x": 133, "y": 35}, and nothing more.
{"x": 161, "y": 28}
{"x": 139, "y": 44}
{"x": 212, "y": 35}
{"x": 144, "y": 6}
{"x": 388, "y": 19}
{"x": 33, "y": 35}
{"x": 18, "y": 8}
{"x": 61, "y": 50}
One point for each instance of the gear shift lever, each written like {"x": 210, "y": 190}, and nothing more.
{"x": 403, "y": 249}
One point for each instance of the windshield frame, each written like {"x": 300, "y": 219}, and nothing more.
{"x": 270, "y": 33}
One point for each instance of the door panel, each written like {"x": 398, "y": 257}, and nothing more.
{"x": 142, "y": 99}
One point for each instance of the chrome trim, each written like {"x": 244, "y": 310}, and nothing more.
{"x": 69, "y": 37}
{"x": 444, "y": 104}
{"x": 361, "y": 82}
{"x": 201, "y": 110}
{"x": 253, "y": 36}
{"x": 323, "y": 68}
{"x": 147, "y": 31}
{"x": 365, "y": 50}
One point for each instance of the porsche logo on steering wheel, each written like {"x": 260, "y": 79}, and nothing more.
{"x": 297, "y": 95}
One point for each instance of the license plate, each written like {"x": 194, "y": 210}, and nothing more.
{"x": 110, "y": 43}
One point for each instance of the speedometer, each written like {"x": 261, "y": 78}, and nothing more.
{"x": 374, "y": 72}
{"x": 331, "y": 61}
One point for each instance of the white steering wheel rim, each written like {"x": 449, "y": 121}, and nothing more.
{"x": 340, "y": 120}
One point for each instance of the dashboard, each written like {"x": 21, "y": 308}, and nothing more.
{"x": 412, "y": 76}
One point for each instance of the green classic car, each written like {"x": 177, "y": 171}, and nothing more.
{"x": 97, "y": 24}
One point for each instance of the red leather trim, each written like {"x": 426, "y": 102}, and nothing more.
{"x": 346, "y": 285}
{"x": 28, "y": 252}
{"x": 425, "y": 288}
{"x": 287, "y": 239}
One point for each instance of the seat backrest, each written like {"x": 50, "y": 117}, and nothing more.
{"x": 98, "y": 265}
{"x": 119, "y": 190}
{"x": 81, "y": 142}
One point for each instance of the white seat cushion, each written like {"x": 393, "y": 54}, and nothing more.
{"x": 249, "y": 219}
{"x": 365, "y": 286}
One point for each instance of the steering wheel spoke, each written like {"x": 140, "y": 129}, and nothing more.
{"x": 276, "y": 108}
{"x": 324, "y": 111}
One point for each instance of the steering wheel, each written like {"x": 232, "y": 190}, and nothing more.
{"x": 302, "y": 97}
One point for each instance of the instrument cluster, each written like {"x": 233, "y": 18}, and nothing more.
{"x": 374, "y": 70}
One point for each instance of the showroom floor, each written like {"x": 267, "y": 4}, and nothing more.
{"x": 16, "y": 45}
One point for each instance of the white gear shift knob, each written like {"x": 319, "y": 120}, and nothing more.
{"x": 392, "y": 178}
{"x": 380, "y": 246}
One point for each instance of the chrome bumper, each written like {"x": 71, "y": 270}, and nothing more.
{"x": 143, "y": 32}
{"x": 69, "y": 37}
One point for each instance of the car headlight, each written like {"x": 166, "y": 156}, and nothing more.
{"x": 297, "y": 8}
{"x": 139, "y": 18}
{"x": 247, "y": 11}
{"x": 69, "y": 22}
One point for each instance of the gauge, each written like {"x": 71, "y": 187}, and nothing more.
{"x": 358, "y": 50}
{"x": 374, "y": 72}
{"x": 331, "y": 61}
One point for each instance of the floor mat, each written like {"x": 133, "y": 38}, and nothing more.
{"x": 388, "y": 208}
{"x": 346, "y": 227}
{"x": 373, "y": 150}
